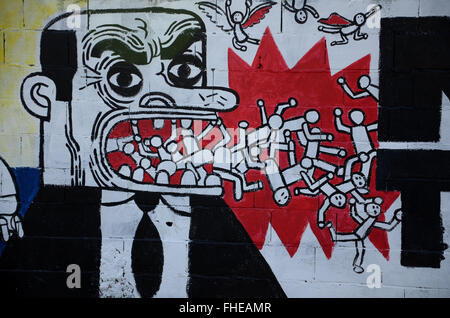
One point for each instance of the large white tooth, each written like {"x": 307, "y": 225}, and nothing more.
{"x": 125, "y": 171}
{"x": 138, "y": 175}
{"x": 111, "y": 145}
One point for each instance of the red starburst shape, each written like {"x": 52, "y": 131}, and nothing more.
{"x": 311, "y": 83}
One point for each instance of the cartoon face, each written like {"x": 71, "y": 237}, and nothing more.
{"x": 359, "y": 19}
{"x": 373, "y": 209}
{"x": 301, "y": 16}
{"x": 282, "y": 196}
{"x": 122, "y": 84}
{"x": 237, "y": 17}
{"x": 359, "y": 180}
{"x": 338, "y": 200}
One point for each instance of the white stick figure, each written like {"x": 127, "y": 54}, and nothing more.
{"x": 365, "y": 213}
{"x": 359, "y": 133}
{"x": 338, "y": 24}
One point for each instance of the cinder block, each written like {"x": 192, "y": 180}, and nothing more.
{"x": 11, "y": 14}
{"x": 308, "y": 289}
{"x": 21, "y": 47}
{"x": 14, "y": 118}
{"x": 427, "y": 293}
{"x": 11, "y": 77}
{"x": 37, "y": 13}
{"x": 2, "y": 47}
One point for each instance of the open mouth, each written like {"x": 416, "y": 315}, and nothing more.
{"x": 141, "y": 152}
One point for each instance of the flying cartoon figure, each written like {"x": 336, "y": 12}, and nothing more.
{"x": 236, "y": 21}
{"x": 301, "y": 9}
{"x": 338, "y": 24}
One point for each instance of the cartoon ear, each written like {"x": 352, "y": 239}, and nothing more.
{"x": 38, "y": 93}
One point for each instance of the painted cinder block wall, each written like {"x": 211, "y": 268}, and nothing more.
{"x": 82, "y": 95}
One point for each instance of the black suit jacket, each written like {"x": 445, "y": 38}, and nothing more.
{"x": 62, "y": 227}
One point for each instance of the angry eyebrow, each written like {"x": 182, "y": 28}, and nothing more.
{"x": 179, "y": 36}
{"x": 118, "y": 39}
{"x": 120, "y": 48}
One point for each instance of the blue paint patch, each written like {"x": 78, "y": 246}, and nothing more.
{"x": 28, "y": 185}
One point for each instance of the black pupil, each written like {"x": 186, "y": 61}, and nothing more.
{"x": 124, "y": 79}
{"x": 184, "y": 71}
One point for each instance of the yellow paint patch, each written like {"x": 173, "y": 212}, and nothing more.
{"x": 21, "y": 47}
{"x": 15, "y": 119}
{"x": 20, "y": 150}
{"x": 20, "y": 22}
{"x": 37, "y": 13}
{"x": 2, "y": 49}
{"x": 11, "y": 77}
{"x": 11, "y": 14}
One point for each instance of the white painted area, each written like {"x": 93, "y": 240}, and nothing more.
{"x": 118, "y": 228}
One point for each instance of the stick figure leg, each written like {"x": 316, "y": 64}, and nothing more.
{"x": 359, "y": 257}
{"x": 344, "y": 41}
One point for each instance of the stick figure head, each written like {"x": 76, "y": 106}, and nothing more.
{"x": 359, "y": 19}
{"x": 338, "y": 200}
{"x": 356, "y": 116}
{"x": 373, "y": 209}
{"x": 275, "y": 122}
{"x": 312, "y": 116}
{"x": 359, "y": 180}
{"x": 282, "y": 196}
{"x": 237, "y": 17}
{"x": 301, "y": 16}
{"x": 363, "y": 82}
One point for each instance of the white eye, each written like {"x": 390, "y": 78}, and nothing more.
{"x": 185, "y": 71}
{"x": 125, "y": 79}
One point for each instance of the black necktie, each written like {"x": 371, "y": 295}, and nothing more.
{"x": 147, "y": 253}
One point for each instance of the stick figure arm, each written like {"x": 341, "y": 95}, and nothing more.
{"x": 352, "y": 94}
{"x": 355, "y": 216}
{"x": 330, "y": 29}
{"x": 302, "y": 138}
{"x": 373, "y": 126}
{"x": 173, "y": 133}
{"x": 322, "y": 211}
{"x": 331, "y": 150}
{"x": 226, "y": 137}
{"x": 313, "y": 137}
{"x": 205, "y": 131}
{"x": 312, "y": 10}
{"x": 288, "y": 6}
{"x": 372, "y": 11}
{"x": 359, "y": 198}
{"x": 387, "y": 226}
{"x": 228, "y": 12}
{"x": 313, "y": 186}
{"x": 340, "y": 126}
{"x": 250, "y": 162}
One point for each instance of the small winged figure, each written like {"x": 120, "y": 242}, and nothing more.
{"x": 300, "y": 9}
{"x": 338, "y": 24}
{"x": 236, "y": 21}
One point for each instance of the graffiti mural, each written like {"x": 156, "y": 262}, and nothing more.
{"x": 172, "y": 161}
